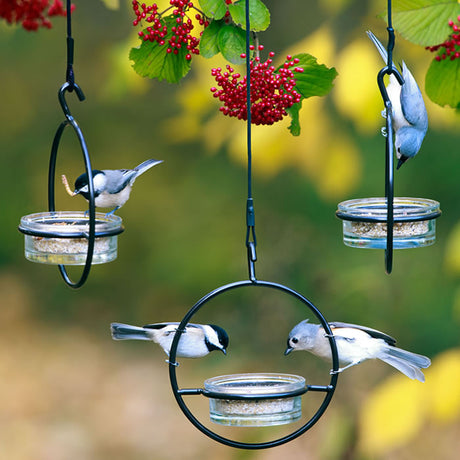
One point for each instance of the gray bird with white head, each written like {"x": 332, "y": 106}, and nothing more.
{"x": 197, "y": 341}
{"x": 410, "y": 120}
{"x": 356, "y": 344}
{"x": 112, "y": 187}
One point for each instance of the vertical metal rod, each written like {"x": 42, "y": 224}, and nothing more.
{"x": 70, "y": 77}
{"x": 389, "y": 191}
{"x": 389, "y": 166}
{"x": 250, "y": 216}
{"x": 248, "y": 100}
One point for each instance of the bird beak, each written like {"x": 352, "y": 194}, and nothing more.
{"x": 224, "y": 351}
{"x": 401, "y": 161}
{"x": 288, "y": 350}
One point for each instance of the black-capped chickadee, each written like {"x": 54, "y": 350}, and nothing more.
{"x": 111, "y": 186}
{"x": 356, "y": 344}
{"x": 410, "y": 120}
{"x": 197, "y": 341}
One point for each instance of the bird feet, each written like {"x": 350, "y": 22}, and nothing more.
{"x": 110, "y": 213}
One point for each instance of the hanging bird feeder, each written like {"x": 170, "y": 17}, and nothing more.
{"x": 70, "y": 238}
{"x": 389, "y": 222}
{"x": 253, "y": 399}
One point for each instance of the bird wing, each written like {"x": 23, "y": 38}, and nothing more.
{"x": 117, "y": 179}
{"x": 171, "y": 326}
{"x": 372, "y": 332}
{"x": 412, "y": 97}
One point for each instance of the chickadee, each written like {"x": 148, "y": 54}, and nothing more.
{"x": 111, "y": 186}
{"x": 197, "y": 341}
{"x": 410, "y": 120}
{"x": 356, "y": 344}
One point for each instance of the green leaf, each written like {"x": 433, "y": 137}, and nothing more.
{"x": 442, "y": 82}
{"x": 153, "y": 61}
{"x": 316, "y": 79}
{"x": 425, "y": 22}
{"x": 232, "y": 43}
{"x": 209, "y": 43}
{"x": 259, "y": 16}
{"x": 293, "y": 112}
{"x": 214, "y": 9}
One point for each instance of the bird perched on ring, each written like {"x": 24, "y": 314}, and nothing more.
{"x": 112, "y": 187}
{"x": 197, "y": 341}
{"x": 410, "y": 120}
{"x": 355, "y": 344}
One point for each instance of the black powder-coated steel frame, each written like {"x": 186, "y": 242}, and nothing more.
{"x": 180, "y": 392}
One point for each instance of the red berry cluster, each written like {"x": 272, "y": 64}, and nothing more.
{"x": 271, "y": 92}
{"x": 32, "y": 14}
{"x": 451, "y": 45}
{"x": 157, "y": 30}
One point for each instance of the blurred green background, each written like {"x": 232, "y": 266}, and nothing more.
{"x": 67, "y": 391}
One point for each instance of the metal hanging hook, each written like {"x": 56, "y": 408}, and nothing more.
{"x": 61, "y": 95}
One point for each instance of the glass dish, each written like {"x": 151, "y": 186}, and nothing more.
{"x": 61, "y": 237}
{"x": 364, "y": 222}
{"x": 254, "y": 399}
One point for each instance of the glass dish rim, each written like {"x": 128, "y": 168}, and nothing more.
{"x": 39, "y": 224}
{"x": 363, "y": 210}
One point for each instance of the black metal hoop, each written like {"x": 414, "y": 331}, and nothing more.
{"x": 178, "y": 393}
{"x": 51, "y": 180}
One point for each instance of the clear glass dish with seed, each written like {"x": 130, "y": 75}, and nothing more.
{"x": 365, "y": 222}
{"x": 255, "y": 400}
{"x": 61, "y": 237}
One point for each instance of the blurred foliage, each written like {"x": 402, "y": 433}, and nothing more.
{"x": 69, "y": 391}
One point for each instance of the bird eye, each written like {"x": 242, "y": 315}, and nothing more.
{"x": 294, "y": 340}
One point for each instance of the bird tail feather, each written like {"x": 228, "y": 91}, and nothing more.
{"x": 406, "y": 362}
{"x": 413, "y": 358}
{"x": 382, "y": 50}
{"x": 146, "y": 165}
{"x": 408, "y": 369}
{"x": 126, "y": 332}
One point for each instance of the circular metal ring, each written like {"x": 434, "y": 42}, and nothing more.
{"x": 329, "y": 389}
{"x": 51, "y": 178}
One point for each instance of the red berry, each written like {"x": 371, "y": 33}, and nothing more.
{"x": 451, "y": 45}
{"x": 271, "y": 93}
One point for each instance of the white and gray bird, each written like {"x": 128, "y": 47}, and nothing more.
{"x": 356, "y": 344}
{"x": 410, "y": 120}
{"x": 197, "y": 341}
{"x": 112, "y": 187}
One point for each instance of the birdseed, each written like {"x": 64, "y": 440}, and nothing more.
{"x": 379, "y": 229}
{"x": 69, "y": 246}
{"x": 254, "y": 407}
